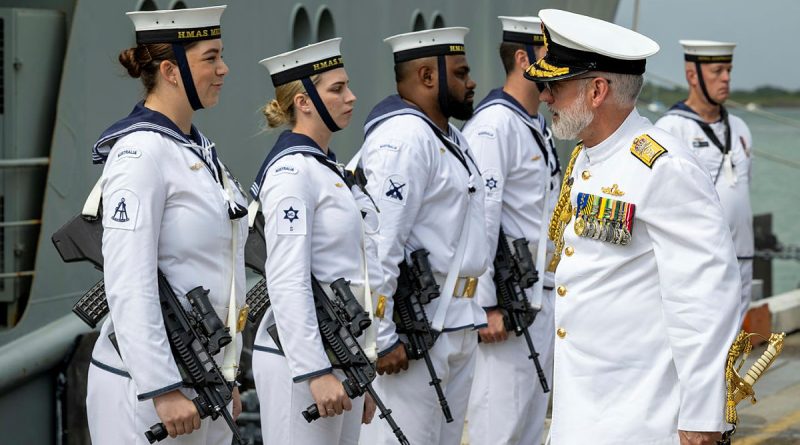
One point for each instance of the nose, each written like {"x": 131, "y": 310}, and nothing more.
{"x": 223, "y": 68}
{"x": 351, "y": 97}
{"x": 471, "y": 84}
{"x": 546, "y": 96}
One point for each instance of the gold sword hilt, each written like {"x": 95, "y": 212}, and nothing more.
{"x": 744, "y": 387}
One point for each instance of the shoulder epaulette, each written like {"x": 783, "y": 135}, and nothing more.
{"x": 647, "y": 150}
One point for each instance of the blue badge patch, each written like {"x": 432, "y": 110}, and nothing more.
{"x": 486, "y": 132}
{"x": 121, "y": 210}
{"x": 493, "y": 184}
{"x": 390, "y": 145}
{"x": 291, "y": 216}
{"x": 395, "y": 190}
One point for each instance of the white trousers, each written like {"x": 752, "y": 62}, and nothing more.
{"x": 746, "y": 271}
{"x": 117, "y": 417}
{"x": 282, "y": 401}
{"x": 507, "y": 405}
{"x": 413, "y": 401}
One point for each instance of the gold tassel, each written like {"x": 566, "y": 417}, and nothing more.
{"x": 563, "y": 212}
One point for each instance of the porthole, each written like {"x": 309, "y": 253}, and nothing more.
{"x": 148, "y": 5}
{"x": 417, "y": 21}
{"x": 325, "y": 26}
{"x": 301, "y": 27}
{"x": 437, "y": 20}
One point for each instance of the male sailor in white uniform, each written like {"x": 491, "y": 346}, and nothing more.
{"x": 429, "y": 191}
{"x": 647, "y": 281}
{"x": 521, "y": 174}
{"x": 720, "y": 140}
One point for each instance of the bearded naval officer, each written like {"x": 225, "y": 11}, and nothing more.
{"x": 721, "y": 141}
{"x": 647, "y": 281}
{"x": 521, "y": 174}
{"x": 428, "y": 189}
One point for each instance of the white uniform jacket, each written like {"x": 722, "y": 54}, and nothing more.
{"x": 423, "y": 193}
{"x": 733, "y": 189}
{"x": 517, "y": 167}
{"x": 643, "y": 329}
{"x": 312, "y": 225}
{"x": 164, "y": 210}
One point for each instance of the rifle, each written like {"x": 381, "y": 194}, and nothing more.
{"x": 341, "y": 320}
{"x": 417, "y": 286}
{"x": 194, "y": 336}
{"x": 513, "y": 273}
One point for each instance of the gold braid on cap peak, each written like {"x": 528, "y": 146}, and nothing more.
{"x": 563, "y": 211}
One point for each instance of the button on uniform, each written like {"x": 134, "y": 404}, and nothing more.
{"x": 561, "y": 332}
{"x": 562, "y": 291}
{"x": 586, "y": 175}
{"x": 569, "y": 250}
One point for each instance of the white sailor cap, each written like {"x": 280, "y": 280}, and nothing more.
{"x": 577, "y": 44}
{"x": 304, "y": 62}
{"x": 177, "y": 25}
{"x": 524, "y": 30}
{"x": 707, "y": 51}
{"x": 427, "y": 43}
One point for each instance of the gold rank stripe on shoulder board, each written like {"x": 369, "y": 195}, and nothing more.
{"x": 647, "y": 150}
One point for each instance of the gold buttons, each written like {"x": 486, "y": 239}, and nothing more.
{"x": 586, "y": 175}
{"x": 561, "y": 332}
{"x": 569, "y": 250}
{"x": 561, "y": 291}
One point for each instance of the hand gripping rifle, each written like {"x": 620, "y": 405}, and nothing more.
{"x": 195, "y": 336}
{"x": 513, "y": 273}
{"x": 740, "y": 388}
{"x": 417, "y": 286}
{"x": 341, "y": 320}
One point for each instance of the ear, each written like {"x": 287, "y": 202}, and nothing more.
{"x": 521, "y": 59}
{"x": 169, "y": 72}
{"x": 427, "y": 75}
{"x": 302, "y": 103}
{"x": 600, "y": 91}
{"x": 691, "y": 75}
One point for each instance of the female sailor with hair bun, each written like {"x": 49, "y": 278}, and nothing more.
{"x": 170, "y": 206}
{"x": 313, "y": 225}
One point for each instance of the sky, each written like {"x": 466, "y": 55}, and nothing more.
{"x": 765, "y": 31}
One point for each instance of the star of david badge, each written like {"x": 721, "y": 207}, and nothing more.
{"x": 491, "y": 183}
{"x": 291, "y": 214}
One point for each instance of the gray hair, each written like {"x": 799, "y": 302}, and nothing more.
{"x": 625, "y": 88}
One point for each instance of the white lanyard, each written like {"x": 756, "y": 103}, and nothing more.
{"x": 230, "y": 362}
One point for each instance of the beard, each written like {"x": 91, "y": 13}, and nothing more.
{"x": 572, "y": 120}
{"x": 460, "y": 109}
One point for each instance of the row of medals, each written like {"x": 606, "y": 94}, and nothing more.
{"x": 604, "y": 230}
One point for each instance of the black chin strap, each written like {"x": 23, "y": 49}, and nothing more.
{"x": 703, "y": 84}
{"x": 311, "y": 90}
{"x": 443, "y": 102}
{"x": 186, "y": 76}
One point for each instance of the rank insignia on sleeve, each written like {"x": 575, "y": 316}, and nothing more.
{"x": 124, "y": 212}
{"x": 394, "y": 190}
{"x": 604, "y": 219}
{"x": 291, "y": 216}
{"x": 647, "y": 150}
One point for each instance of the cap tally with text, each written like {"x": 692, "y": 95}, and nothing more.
{"x": 522, "y": 30}
{"x": 304, "y": 62}
{"x": 427, "y": 43}
{"x": 707, "y": 51}
{"x": 577, "y": 44}
{"x": 177, "y": 25}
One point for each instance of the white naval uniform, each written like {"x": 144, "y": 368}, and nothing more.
{"x": 421, "y": 189}
{"x": 313, "y": 225}
{"x": 507, "y": 404}
{"x": 734, "y": 195}
{"x": 644, "y": 328}
{"x": 174, "y": 218}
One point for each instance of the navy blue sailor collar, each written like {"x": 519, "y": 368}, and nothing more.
{"x": 393, "y": 106}
{"x": 144, "y": 119}
{"x": 290, "y": 143}
{"x": 499, "y": 97}
{"x": 681, "y": 109}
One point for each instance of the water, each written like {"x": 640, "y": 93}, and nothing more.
{"x": 775, "y": 186}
